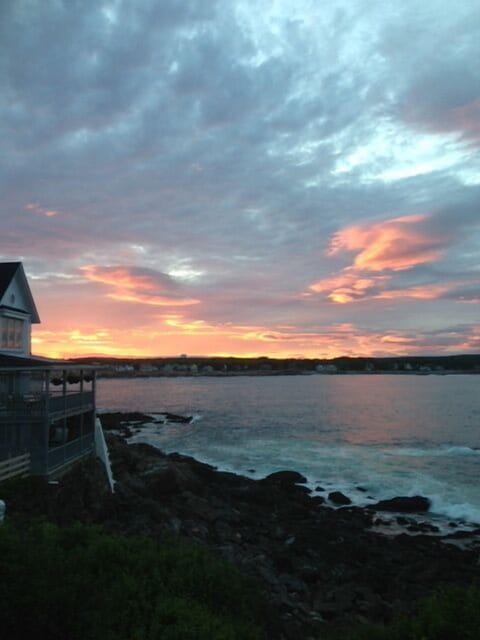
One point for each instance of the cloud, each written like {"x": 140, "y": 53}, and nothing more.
{"x": 41, "y": 211}
{"x": 380, "y": 250}
{"x": 137, "y": 285}
{"x": 464, "y": 118}
{"x": 231, "y": 142}
{"x": 396, "y": 244}
{"x": 349, "y": 286}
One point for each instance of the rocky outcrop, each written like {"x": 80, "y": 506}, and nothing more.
{"x": 315, "y": 564}
{"x": 339, "y": 498}
{"x": 285, "y": 478}
{"x": 402, "y": 504}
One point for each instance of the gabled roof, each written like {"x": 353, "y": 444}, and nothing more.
{"x": 9, "y": 271}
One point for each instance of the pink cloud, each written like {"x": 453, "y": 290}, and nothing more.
{"x": 137, "y": 285}
{"x": 397, "y": 244}
{"x": 382, "y": 249}
{"x": 348, "y": 286}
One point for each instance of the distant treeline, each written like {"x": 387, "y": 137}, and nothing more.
{"x": 232, "y": 364}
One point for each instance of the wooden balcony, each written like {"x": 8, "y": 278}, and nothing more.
{"x": 48, "y": 414}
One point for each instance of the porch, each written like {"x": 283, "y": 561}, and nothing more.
{"x": 48, "y": 413}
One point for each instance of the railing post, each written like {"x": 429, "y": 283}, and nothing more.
{"x": 64, "y": 420}
{"x": 94, "y": 397}
{"x": 46, "y": 417}
{"x": 82, "y": 415}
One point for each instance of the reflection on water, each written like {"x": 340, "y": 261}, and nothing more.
{"x": 355, "y": 409}
{"x": 389, "y": 433}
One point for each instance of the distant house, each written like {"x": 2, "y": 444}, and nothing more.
{"x": 47, "y": 407}
{"x": 326, "y": 368}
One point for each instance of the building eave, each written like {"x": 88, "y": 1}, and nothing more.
{"x": 10, "y": 363}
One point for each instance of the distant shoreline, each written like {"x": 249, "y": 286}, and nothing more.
{"x": 233, "y": 366}
{"x": 109, "y": 374}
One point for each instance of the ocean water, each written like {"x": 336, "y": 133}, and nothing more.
{"x": 371, "y": 436}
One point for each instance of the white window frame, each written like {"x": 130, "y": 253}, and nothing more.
{"x": 12, "y": 331}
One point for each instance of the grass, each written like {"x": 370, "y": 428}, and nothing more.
{"x": 450, "y": 614}
{"x": 82, "y": 584}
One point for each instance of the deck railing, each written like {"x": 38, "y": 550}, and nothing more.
{"x": 14, "y": 467}
{"x": 61, "y": 455}
{"x": 38, "y": 405}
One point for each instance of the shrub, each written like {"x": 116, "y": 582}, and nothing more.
{"x": 82, "y": 584}
{"x": 450, "y": 614}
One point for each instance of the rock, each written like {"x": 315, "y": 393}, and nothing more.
{"x": 378, "y": 522}
{"x": 337, "y": 497}
{"x": 173, "y": 417}
{"x": 285, "y": 478}
{"x": 163, "y": 481}
{"x": 319, "y": 488}
{"x": 116, "y": 420}
{"x": 403, "y": 504}
{"x": 313, "y": 563}
{"x": 459, "y": 535}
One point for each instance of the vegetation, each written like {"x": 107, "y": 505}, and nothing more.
{"x": 82, "y": 584}
{"x": 452, "y": 614}
{"x": 236, "y": 365}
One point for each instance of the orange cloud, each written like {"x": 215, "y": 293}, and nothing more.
{"x": 396, "y": 245}
{"x": 382, "y": 249}
{"x": 141, "y": 286}
{"x": 156, "y": 301}
{"x": 430, "y": 292}
{"x": 175, "y": 335}
{"x": 348, "y": 286}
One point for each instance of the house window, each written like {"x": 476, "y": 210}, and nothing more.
{"x": 11, "y": 335}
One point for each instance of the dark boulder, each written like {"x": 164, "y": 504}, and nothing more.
{"x": 285, "y": 478}
{"x": 173, "y": 417}
{"x": 403, "y": 504}
{"x": 337, "y": 497}
{"x": 117, "y": 420}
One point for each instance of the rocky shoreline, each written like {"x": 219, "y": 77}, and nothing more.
{"x": 317, "y": 565}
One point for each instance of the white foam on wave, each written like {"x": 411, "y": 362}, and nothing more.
{"x": 384, "y": 472}
{"x": 446, "y": 450}
{"x": 455, "y": 510}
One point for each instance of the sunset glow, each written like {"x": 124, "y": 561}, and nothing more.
{"x": 244, "y": 178}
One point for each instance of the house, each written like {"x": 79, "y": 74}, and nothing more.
{"x": 47, "y": 407}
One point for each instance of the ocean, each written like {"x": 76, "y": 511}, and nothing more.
{"x": 370, "y": 436}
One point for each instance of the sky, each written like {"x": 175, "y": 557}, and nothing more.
{"x": 244, "y": 177}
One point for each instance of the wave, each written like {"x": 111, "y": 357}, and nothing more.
{"x": 462, "y": 512}
{"x": 445, "y": 450}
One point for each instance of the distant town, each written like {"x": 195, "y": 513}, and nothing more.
{"x": 185, "y": 365}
